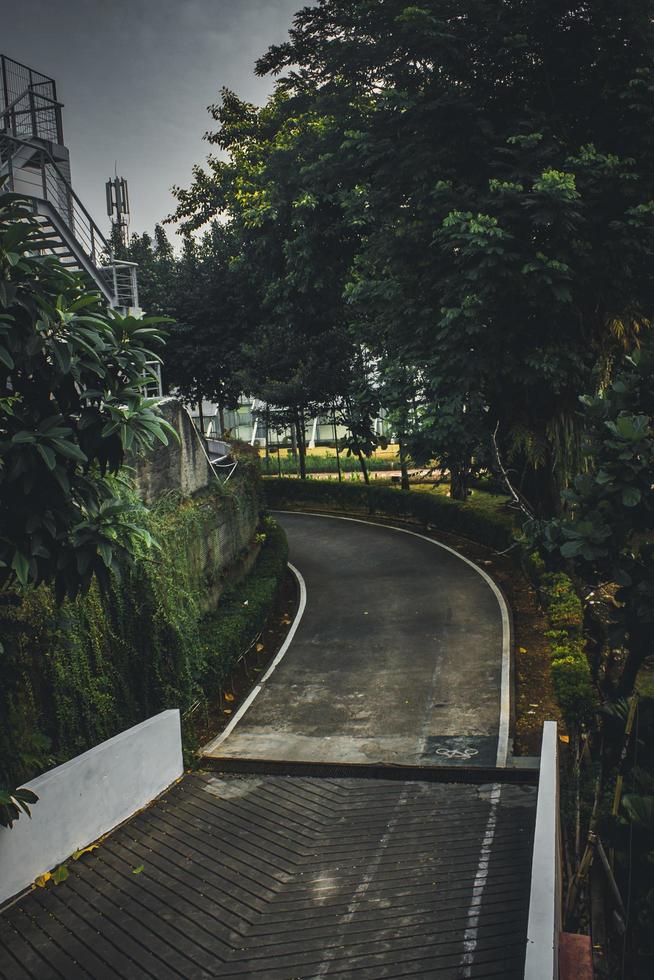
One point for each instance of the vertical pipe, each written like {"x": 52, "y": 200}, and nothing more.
{"x": 5, "y": 88}
{"x": 32, "y": 112}
{"x": 44, "y": 182}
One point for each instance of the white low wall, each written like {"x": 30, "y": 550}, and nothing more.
{"x": 544, "y": 925}
{"x": 88, "y": 796}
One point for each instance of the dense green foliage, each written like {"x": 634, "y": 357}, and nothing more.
{"x": 71, "y": 405}
{"x": 462, "y": 192}
{"x": 197, "y": 288}
{"x": 607, "y": 534}
{"x": 75, "y": 674}
{"x": 571, "y": 678}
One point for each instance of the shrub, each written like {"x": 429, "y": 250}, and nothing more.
{"x": 571, "y": 676}
{"x": 573, "y": 689}
{"x": 564, "y": 608}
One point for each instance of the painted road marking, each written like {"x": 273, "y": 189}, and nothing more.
{"x": 457, "y": 753}
{"x": 212, "y": 746}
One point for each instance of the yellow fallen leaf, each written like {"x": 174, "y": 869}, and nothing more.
{"x": 42, "y": 880}
{"x": 227, "y": 711}
{"x": 522, "y": 649}
{"x": 259, "y": 647}
{"x": 564, "y": 738}
{"x": 84, "y": 850}
{"x": 137, "y": 871}
{"x": 229, "y": 697}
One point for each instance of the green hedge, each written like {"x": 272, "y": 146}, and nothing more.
{"x": 429, "y": 509}
{"x": 571, "y": 677}
{"x": 72, "y": 676}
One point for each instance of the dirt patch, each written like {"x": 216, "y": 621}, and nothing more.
{"x": 211, "y": 718}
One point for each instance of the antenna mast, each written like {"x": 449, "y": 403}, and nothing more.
{"x": 118, "y": 207}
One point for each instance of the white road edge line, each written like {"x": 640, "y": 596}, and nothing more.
{"x": 471, "y": 934}
{"x": 212, "y": 746}
{"x": 505, "y": 685}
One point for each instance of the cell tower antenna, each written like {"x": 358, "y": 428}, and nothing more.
{"x": 118, "y": 205}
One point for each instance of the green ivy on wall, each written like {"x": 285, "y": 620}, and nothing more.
{"x": 75, "y": 674}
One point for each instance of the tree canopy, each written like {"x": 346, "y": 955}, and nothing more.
{"x": 461, "y": 188}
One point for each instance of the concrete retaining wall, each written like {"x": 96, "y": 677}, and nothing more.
{"x": 89, "y": 796}
{"x": 181, "y": 466}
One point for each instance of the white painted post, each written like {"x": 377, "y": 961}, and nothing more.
{"x": 312, "y": 441}
{"x": 543, "y": 927}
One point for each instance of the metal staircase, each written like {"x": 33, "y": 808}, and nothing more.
{"x": 35, "y": 164}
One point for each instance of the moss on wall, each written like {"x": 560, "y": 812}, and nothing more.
{"x": 75, "y": 674}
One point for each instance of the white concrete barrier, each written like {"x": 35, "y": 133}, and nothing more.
{"x": 544, "y": 925}
{"x": 89, "y": 796}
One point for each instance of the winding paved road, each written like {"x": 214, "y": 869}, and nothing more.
{"x": 401, "y": 655}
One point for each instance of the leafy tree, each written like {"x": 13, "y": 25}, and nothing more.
{"x": 71, "y": 405}
{"x": 356, "y": 407}
{"x": 608, "y": 536}
{"x": 204, "y": 348}
{"x": 198, "y": 289}
{"x": 291, "y": 250}
{"x": 496, "y": 165}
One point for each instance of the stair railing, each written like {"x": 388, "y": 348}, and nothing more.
{"x": 43, "y": 180}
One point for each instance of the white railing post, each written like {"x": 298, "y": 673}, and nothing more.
{"x": 544, "y": 924}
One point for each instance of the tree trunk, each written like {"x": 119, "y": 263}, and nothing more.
{"x": 640, "y": 647}
{"x": 221, "y": 418}
{"x": 200, "y": 415}
{"x": 362, "y": 462}
{"x": 404, "y": 470}
{"x": 540, "y": 486}
{"x": 458, "y": 482}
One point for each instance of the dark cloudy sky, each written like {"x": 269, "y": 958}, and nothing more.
{"x": 136, "y": 77}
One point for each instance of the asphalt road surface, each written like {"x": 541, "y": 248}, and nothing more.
{"x": 400, "y": 656}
